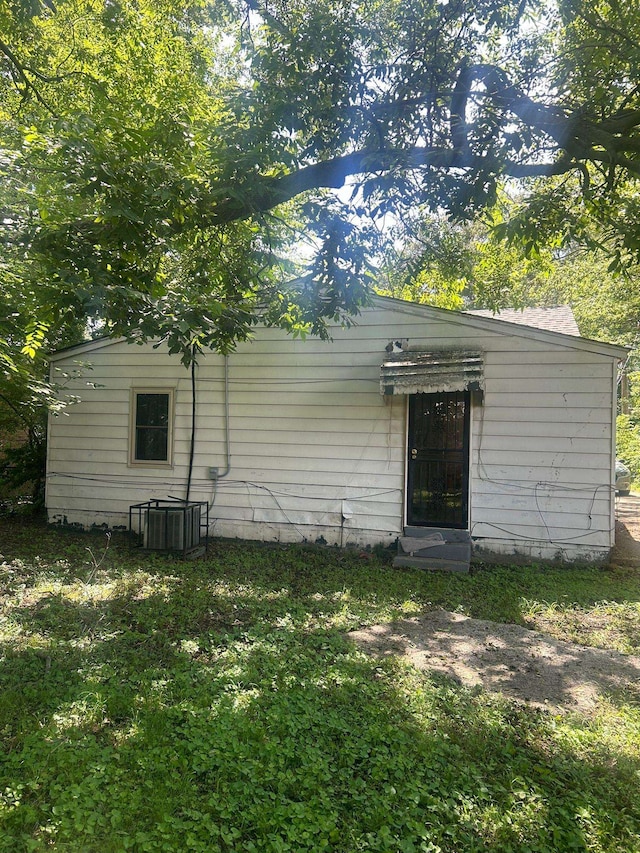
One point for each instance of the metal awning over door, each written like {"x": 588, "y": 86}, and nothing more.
{"x": 422, "y": 372}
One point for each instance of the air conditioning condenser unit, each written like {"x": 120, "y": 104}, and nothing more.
{"x": 179, "y": 526}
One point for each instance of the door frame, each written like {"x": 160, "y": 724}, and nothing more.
{"x": 466, "y": 472}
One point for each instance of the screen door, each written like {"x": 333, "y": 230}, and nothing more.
{"x": 438, "y": 459}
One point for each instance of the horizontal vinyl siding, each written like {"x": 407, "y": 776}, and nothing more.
{"x": 559, "y": 443}
{"x": 541, "y": 457}
{"x": 289, "y": 442}
{"x": 539, "y": 369}
{"x": 309, "y": 430}
{"x": 274, "y": 470}
{"x": 304, "y": 438}
{"x": 542, "y": 429}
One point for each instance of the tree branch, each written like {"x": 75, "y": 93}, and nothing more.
{"x": 25, "y": 73}
{"x": 261, "y": 195}
{"x": 334, "y": 173}
{"x": 573, "y": 133}
{"x": 21, "y": 71}
{"x": 458, "y": 110}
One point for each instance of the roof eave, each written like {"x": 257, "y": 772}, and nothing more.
{"x": 85, "y": 346}
{"x": 493, "y": 324}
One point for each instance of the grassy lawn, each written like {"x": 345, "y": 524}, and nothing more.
{"x": 150, "y": 704}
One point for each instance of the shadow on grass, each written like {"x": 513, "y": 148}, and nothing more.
{"x": 290, "y": 741}
{"x": 216, "y": 706}
{"x": 490, "y": 592}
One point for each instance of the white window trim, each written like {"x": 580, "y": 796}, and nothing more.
{"x": 150, "y": 463}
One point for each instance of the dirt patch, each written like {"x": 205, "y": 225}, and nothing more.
{"x": 627, "y": 547}
{"x": 508, "y": 659}
{"x": 522, "y": 664}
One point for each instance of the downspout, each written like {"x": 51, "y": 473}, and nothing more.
{"x": 227, "y": 437}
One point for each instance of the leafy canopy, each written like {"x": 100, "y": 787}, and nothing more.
{"x": 168, "y": 168}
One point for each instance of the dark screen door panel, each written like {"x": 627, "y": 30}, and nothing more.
{"x": 438, "y": 459}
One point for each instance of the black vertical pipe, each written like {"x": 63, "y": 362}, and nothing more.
{"x": 193, "y": 421}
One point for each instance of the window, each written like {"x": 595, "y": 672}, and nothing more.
{"x": 151, "y": 422}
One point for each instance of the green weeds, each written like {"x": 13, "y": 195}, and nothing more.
{"x": 148, "y": 704}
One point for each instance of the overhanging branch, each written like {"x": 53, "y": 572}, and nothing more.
{"x": 579, "y": 137}
{"x": 333, "y": 173}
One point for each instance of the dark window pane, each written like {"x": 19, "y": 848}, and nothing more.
{"x": 152, "y": 410}
{"x": 151, "y": 443}
{"x": 152, "y": 427}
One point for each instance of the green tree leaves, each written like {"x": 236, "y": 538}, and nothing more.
{"x": 164, "y": 162}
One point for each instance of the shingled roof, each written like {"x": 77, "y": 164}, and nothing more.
{"x": 559, "y": 318}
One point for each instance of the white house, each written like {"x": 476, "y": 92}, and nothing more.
{"x": 415, "y": 423}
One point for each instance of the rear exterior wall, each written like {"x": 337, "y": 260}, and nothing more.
{"x": 317, "y": 454}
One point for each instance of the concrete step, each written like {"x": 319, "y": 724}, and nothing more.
{"x": 449, "y": 534}
{"x": 434, "y": 549}
{"x": 431, "y": 565}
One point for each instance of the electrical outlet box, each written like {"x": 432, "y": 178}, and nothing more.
{"x": 213, "y": 473}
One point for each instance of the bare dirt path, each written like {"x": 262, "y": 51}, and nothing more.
{"x": 525, "y": 665}
{"x": 627, "y": 550}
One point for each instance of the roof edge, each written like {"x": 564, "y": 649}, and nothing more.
{"x": 489, "y": 324}
{"x": 85, "y": 346}
{"x": 494, "y": 324}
